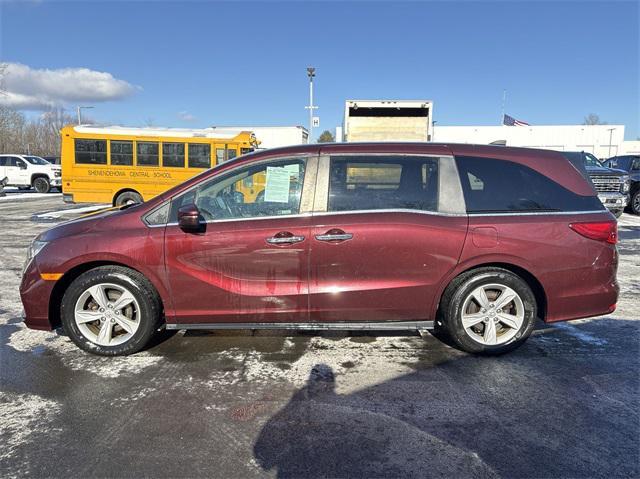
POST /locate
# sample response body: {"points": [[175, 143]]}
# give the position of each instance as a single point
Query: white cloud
{"points": [[27, 88], [186, 116]]}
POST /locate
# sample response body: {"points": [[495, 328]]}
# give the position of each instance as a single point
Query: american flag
{"points": [[511, 121]]}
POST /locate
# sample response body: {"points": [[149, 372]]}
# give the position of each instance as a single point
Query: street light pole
{"points": [[79, 108], [311, 72], [610, 139]]}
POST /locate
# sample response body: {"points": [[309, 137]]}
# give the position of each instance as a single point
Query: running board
{"points": [[339, 326]]}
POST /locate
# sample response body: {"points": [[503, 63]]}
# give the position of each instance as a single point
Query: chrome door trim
{"points": [[334, 237], [320, 326]]}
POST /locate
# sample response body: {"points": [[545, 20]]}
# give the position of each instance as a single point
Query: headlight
{"points": [[34, 248], [625, 183]]}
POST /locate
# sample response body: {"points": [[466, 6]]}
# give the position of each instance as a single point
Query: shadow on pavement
{"points": [[546, 410]]}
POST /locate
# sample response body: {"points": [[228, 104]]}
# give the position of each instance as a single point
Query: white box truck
{"points": [[388, 120]]}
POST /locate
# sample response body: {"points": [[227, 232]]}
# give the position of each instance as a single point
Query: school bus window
{"points": [[173, 155], [231, 154], [244, 151], [122, 153], [199, 155], [220, 156], [147, 153], [91, 152]]}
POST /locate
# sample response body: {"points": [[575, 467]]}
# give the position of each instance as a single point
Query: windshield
{"points": [[36, 160], [590, 160]]}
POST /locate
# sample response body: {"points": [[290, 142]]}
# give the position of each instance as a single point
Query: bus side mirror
{"points": [[189, 218]]}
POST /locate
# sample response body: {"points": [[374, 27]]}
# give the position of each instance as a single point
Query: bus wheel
{"points": [[127, 198]]}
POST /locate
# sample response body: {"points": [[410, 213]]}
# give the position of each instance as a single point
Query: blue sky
{"points": [[240, 63]]}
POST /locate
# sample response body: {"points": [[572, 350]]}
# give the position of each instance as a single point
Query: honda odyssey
{"points": [[476, 242]]}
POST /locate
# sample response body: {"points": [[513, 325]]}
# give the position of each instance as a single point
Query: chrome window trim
{"points": [[231, 220], [539, 213], [390, 210]]}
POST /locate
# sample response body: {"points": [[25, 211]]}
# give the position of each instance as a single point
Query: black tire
{"points": [[142, 290], [449, 322], [127, 197], [634, 202], [42, 185]]}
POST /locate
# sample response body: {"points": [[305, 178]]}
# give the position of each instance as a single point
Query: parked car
{"points": [[474, 241], [26, 171], [631, 165], [611, 184]]}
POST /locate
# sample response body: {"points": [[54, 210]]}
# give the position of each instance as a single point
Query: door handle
{"points": [[277, 239], [334, 235]]}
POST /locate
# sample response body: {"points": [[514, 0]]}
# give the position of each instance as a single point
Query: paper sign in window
{"points": [[277, 188]]}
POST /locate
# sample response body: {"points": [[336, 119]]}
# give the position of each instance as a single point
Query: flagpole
{"points": [[504, 100]]}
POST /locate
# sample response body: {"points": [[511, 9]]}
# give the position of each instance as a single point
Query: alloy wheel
{"points": [[492, 314], [107, 314]]}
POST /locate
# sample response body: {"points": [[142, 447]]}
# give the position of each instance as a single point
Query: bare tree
{"points": [[593, 119]]}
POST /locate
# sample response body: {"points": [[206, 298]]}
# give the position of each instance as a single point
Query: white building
{"points": [[275, 136], [601, 140]]}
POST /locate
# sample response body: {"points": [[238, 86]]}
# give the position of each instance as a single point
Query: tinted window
{"points": [[122, 153], [36, 160], [91, 152], [147, 153], [271, 189], [173, 154], [199, 155], [383, 182], [492, 185], [3, 161]]}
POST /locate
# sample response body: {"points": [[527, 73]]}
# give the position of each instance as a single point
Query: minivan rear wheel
{"points": [[487, 311], [111, 311]]}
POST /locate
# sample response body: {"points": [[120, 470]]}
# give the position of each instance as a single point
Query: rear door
{"points": [[386, 230], [17, 171]]}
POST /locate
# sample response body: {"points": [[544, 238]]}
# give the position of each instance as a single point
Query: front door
{"points": [[16, 171], [250, 261], [381, 248]]}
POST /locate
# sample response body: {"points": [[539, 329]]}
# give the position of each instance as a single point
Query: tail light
{"points": [[606, 231]]}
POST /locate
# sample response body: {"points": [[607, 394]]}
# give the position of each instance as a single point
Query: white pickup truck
{"points": [[26, 171]]}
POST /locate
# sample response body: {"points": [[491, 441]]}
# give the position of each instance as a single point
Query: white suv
{"points": [[27, 171]]}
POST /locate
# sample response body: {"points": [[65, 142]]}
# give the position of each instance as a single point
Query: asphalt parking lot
{"points": [[279, 404]]}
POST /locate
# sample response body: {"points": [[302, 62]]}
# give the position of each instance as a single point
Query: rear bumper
{"points": [[35, 294]]}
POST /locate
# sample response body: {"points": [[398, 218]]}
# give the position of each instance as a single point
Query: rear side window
{"points": [[494, 186], [383, 182], [91, 152]]}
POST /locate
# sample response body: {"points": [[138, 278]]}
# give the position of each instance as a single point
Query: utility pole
{"points": [[610, 139], [79, 108], [311, 72]]}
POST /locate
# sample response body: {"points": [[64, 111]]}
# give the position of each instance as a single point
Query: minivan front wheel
{"points": [[111, 311], [488, 310]]}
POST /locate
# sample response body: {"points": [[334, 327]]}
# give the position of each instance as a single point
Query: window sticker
{"points": [[293, 169], [277, 188]]}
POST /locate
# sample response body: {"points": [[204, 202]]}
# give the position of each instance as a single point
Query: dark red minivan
{"points": [[474, 241]]}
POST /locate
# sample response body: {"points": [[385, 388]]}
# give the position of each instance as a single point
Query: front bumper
{"points": [[613, 201], [35, 294]]}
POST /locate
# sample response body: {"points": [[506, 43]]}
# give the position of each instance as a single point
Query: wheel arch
{"points": [[63, 283], [531, 280], [35, 176], [124, 190]]}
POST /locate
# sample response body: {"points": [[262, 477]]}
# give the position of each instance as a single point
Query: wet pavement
{"points": [[283, 404]]}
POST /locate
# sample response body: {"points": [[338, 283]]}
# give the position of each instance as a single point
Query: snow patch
{"points": [[580, 334], [21, 416], [27, 340]]}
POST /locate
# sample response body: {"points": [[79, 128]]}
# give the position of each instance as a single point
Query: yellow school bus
{"points": [[121, 165]]}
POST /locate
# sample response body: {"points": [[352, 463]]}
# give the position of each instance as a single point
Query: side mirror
{"points": [[22, 166], [189, 218]]}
